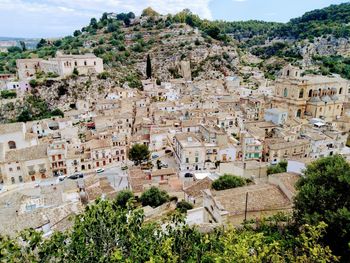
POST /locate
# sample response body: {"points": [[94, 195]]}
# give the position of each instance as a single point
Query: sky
{"points": [[56, 18]]}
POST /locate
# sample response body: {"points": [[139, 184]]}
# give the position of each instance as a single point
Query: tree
{"points": [[106, 232], [323, 195], [57, 112], [228, 181], [77, 33], [24, 116], [123, 197], [183, 206], [139, 153], [149, 67], [23, 45], [41, 43], [75, 72], [154, 197], [149, 12], [93, 23], [281, 167]]}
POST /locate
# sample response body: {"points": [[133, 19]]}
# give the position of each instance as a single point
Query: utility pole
{"points": [[246, 207]]}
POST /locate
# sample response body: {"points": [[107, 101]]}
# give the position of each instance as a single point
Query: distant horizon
{"points": [[57, 19]]}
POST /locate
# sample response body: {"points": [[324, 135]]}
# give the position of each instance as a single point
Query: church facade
{"points": [[310, 95]]}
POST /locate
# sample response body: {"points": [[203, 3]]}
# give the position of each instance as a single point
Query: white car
{"points": [[100, 170]]}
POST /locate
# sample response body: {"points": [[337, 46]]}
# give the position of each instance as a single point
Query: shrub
{"points": [[8, 94], [228, 181], [281, 167], [183, 206], [154, 197], [123, 198]]}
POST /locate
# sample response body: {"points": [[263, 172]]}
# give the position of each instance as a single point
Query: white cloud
{"points": [[42, 16]]}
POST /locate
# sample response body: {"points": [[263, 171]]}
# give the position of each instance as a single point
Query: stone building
{"points": [[310, 95], [62, 65]]}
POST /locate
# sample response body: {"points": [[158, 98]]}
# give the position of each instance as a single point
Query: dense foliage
{"points": [[324, 196], [154, 197], [36, 108], [228, 181], [334, 64], [139, 153], [330, 20], [106, 232], [123, 197]]}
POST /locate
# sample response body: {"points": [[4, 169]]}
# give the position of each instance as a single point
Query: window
{"points": [[285, 92], [12, 180], [85, 63], [301, 93], [75, 63], [10, 169], [94, 63], [20, 179], [340, 90], [53, 157], [187, 161], [12, 145], [196, 160], [18, 168], [59, 157]]}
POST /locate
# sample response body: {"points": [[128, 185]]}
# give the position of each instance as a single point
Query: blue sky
{"points": [[54, 18]]}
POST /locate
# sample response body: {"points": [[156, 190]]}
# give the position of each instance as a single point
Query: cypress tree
{"points": [[149, 67]]}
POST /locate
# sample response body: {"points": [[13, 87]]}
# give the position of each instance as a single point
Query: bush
{"points": [[228, 181], [103, 75], [183, 206], [123, 198], [8, 94], [154, 197], [281, 167]]}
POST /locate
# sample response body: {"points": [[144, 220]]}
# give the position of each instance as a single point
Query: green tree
{"points": [[149, 67], [23, 45], [154, 197], [323, 195], [149, 12], [183, 206], [228, 181], [123, 197], [139, 153], [281, 167], [57, 112], [75, 72], [41, 43], [77, 33]]}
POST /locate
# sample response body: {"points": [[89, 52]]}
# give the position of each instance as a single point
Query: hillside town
{"points": [[196, 132], [139, 122]]}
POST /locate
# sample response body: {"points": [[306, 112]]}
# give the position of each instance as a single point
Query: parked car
{"points": [[124, 168], [187, 175], [61, 178], [100, 170], [155, 156], [164, 165], [73, 177]]}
